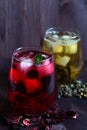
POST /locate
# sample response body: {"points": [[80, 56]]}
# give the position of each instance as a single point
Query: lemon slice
{"points": [[62, 61], [73, 48], [57, 48]]}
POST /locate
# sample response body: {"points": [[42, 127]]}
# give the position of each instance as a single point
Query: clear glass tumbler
{"points": [[32, 86], [66, 46]]}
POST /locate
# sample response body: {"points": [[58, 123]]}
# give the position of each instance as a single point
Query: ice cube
{"points": [[51, 38], [55, 37], [26, 63], [45, 56], [74, 37], [66, 36], [45, 62], [75, 41], [62, 61], [22, 58], [66, 39]]}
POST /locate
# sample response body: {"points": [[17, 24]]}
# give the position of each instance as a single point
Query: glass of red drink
{"points": [[32, 88]]}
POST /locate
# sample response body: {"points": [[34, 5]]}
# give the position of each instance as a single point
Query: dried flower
{"points": [[76, 88]]}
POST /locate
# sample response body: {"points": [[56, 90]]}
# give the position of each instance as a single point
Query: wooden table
{"points": [[68, 103]]}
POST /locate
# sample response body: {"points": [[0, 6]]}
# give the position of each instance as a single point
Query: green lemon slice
{"points": [[57, 48], [62, 61]]}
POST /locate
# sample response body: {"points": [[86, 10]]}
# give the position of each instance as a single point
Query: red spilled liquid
{"points": [[32, 89]]}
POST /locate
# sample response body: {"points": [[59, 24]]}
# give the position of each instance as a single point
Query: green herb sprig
{"points": [[38, 58]]}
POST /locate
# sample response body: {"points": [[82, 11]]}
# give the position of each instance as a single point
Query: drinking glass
{"points": [[66, 46], [32, 86]]}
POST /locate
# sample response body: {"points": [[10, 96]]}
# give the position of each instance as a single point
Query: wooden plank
{"points": [[23, 22], [14, 25], [32, 22], [49, 14], [73, 16], [40, 15]]}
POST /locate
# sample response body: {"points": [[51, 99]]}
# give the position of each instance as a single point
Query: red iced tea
{"points": [[32, 88]]}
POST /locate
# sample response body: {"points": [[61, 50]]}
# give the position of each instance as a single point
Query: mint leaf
{"points": [[38, 59]]}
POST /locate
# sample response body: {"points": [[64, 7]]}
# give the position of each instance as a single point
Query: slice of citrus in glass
{"points": [[62, 61], [71, 46], [57, 48]]}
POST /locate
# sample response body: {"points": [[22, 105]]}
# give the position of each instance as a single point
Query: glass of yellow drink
{"points": [[66, 46]]}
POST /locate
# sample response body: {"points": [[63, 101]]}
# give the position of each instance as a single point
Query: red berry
{"points": [[32, 85], [15, 75]]}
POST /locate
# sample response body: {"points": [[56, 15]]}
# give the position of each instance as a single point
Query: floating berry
{"points": [[32, 85], [15, 75], [33, 73]]}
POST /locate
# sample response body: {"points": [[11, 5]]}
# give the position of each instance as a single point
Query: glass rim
{"points": [[56, 30], [35, 48]]}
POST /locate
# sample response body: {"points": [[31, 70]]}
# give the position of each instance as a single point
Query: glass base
{"points": [[41, 122]]}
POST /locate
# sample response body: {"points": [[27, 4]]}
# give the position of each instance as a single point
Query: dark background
{"points": [[23, 23]]}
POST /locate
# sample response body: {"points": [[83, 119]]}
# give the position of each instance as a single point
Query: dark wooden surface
{"points": [[23, 23]]}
